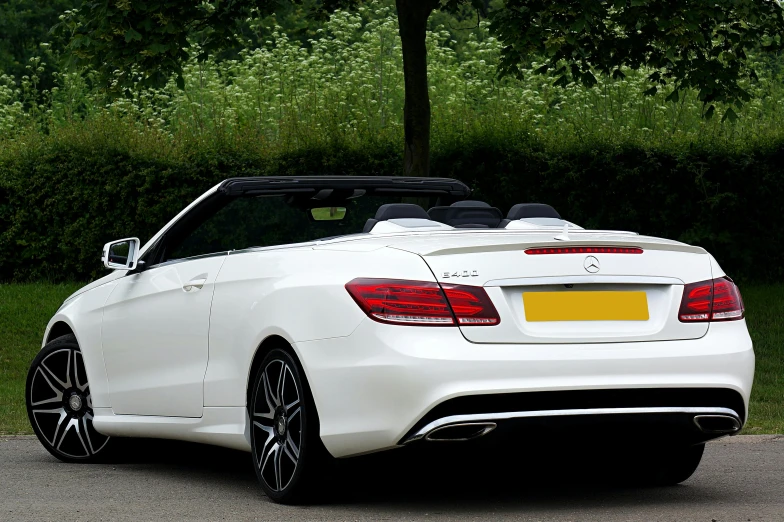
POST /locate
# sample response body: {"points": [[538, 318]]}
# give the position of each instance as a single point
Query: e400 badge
{"points": [[464, 273]]}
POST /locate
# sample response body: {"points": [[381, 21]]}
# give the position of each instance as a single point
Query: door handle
{"points": [[194, 284]]}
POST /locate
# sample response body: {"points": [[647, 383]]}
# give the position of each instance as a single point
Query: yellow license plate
{"points": [[585, 306]]}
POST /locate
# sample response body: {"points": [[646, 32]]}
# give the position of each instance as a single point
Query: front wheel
{"points": [[59, 404], [288, 454]]}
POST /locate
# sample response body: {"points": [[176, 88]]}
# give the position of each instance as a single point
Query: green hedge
{"points": [[62, 199]]}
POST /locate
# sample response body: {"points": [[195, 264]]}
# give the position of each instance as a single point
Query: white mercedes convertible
{"points": [[304, 319]]}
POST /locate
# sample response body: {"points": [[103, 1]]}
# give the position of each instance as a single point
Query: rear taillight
{"points": [[714, 300], [471, 305], [423, 303]]}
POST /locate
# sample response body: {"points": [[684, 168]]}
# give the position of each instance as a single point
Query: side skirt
{"points": [[226, 427]]}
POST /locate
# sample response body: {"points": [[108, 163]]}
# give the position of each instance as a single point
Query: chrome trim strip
{"points": [[583, 279], [480, 417], [487, 427]]}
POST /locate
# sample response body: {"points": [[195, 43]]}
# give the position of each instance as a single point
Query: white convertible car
{"points": [[272, 316]]}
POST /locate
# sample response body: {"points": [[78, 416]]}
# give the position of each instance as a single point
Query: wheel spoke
{"points": [[72, 423], [63, 416], [293, 403], [78, 431], [291, 447], [278, 471], [87, 432], [267, 398], [270, 437], [60, 411], [271, 458], [88, 417], [65, 431], [51, 379], [270, 413], [76, 361], [63, 385], [279, 389], [268, 393], [58, 392]]}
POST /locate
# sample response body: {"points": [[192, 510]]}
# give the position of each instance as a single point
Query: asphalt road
{"points": [[740, 479]]}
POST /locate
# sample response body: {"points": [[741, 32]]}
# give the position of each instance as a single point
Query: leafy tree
{"points": [[687, 44], [24, 25], [154, 37]]}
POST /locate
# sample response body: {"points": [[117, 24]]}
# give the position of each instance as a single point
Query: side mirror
{"points": [[122, 254]]}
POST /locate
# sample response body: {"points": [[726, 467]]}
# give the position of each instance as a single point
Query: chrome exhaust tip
{"points": [[717, 424], [460, 432]]}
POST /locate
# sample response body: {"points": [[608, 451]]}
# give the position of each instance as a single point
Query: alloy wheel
{"points": [[60, 405], [277, 425]]}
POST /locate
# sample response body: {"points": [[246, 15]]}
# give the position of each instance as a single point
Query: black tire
{"points": [[59, 404], [667, 466], [289, 458]]}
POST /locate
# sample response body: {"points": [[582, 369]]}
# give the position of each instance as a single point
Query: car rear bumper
{"points": [[379, 387]]}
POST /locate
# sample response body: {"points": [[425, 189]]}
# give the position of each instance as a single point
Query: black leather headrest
{"points": [[369, 224], [532, 210], [400, 211], [468, 214], [470, 203]]}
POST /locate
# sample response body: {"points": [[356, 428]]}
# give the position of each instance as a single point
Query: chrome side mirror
{"points": [[122, 254]]}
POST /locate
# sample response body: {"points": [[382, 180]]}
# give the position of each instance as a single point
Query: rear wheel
{"points": [[288, 454], [59, 404]]}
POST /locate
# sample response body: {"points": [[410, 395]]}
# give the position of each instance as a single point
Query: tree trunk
{"points": [[412, 19]]}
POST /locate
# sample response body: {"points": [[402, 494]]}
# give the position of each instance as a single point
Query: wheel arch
{"points": [[269, 343], [58, 329]]}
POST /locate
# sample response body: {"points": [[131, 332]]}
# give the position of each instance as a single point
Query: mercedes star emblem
{"points": [[591, 264]]}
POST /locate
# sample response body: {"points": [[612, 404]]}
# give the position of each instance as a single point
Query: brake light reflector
{"points": [[713, 300], [584, 250], [423, 303]]}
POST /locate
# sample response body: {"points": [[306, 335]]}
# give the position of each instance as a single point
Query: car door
{"points": [[154, 337], [156, 322], [155, 327]]}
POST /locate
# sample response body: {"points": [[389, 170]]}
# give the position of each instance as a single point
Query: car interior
{"points": [[464, 214]]}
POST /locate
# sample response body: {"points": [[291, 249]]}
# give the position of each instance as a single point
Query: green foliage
{"points": [[24, 26], [154, 36], [78, 168], [62, 197], [348, 83], [688, 44]]}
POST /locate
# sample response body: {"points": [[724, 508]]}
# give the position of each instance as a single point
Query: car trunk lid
{"points": [[586, 294]]}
